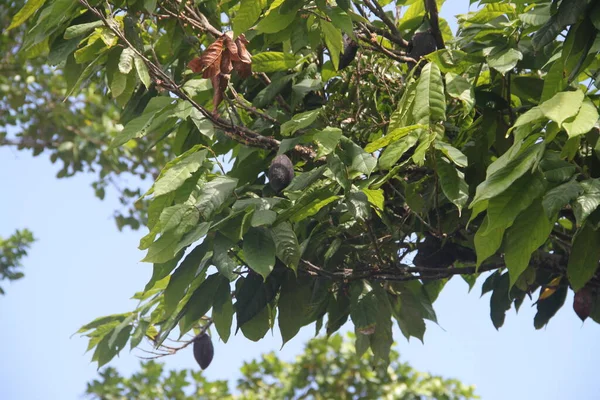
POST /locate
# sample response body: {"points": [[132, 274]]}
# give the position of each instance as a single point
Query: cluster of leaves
{"points": [[12, 250], [327, 369], [40, 116], [483, 158]]}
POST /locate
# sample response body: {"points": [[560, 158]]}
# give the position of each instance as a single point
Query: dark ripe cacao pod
{"points": [[350, 49], [582, 303], [281, 172], [203, 350], [422, 43]]}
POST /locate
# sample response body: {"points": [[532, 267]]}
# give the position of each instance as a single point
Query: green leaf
{"points": [[392, 137], [263, 217], [257, 327], [103, 320], [25, 13], [430, 102], [500, 301], [182, 168], [453, 154], [183, 276], [548, 307], [499, 180], [504, 60], [363, 308], [77, 30], [287, 248], [459, 88], [530, 231], [200, 302], [224, 263], [138, 127], [222, 313], [333, 40], [259, 251], [557, 198], [247, 15], [253, 295], [396, 150], [142, 71], [300, 121], [486, 246], [126, 60], [453, 183], [327, 140], [584, 121], [584, 257], [163, 249], [272, 61], [275, 22], [294, 306], [214, 194], [358, 159], [562, 106], [503, 209]]}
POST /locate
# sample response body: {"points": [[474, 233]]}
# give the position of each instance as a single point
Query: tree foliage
{"points": [[327, 369], [428, 156], [12, 250]]}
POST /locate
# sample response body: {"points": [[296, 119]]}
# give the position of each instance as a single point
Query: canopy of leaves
{"points": [[12, 250], [415, 160], [327, 369]]}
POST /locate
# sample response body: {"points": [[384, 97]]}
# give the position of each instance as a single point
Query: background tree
{"points": [[12, 250], [411, 165], [329, 368]]}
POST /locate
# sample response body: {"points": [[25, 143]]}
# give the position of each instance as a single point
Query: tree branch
{"points": [[432, 10], [376, 9]]}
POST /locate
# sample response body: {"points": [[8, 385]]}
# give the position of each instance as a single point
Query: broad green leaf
{"points": [[356, 158], [584, 121], [142, 71], [557, 198], [259, 251], [77, 30], [459, 88], [396, 150], [25, 13], [222, 312], [530, 231], [253, 295], [287, 248], [103, 320], [500, 301], [193, 236], [584, 257], [392, 137], [486, 246], [562, 106], [333, 40], [548, 307], [275, 22], [501, 179], [502, 210], [214, 194], [430, 101], [201, 301], [272, 61], [312, 208], [126, 60], [327, 140], [453, 183], [363, 308], [453, 154], [376, 198], [300, 121], [263, 217], [182, 169], [504, 60], [138, 127], [247, 15], [294, 306], [224, 263], [183, 276], [257, 327], [163, 249]]}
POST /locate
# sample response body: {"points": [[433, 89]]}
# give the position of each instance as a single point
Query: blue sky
{"points": [[81, 267]]}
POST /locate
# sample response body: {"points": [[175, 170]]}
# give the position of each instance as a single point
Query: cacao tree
{"points": [[418, 156]]}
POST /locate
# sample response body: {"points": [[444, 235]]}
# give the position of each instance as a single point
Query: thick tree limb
{"points": [[434, 20]]}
